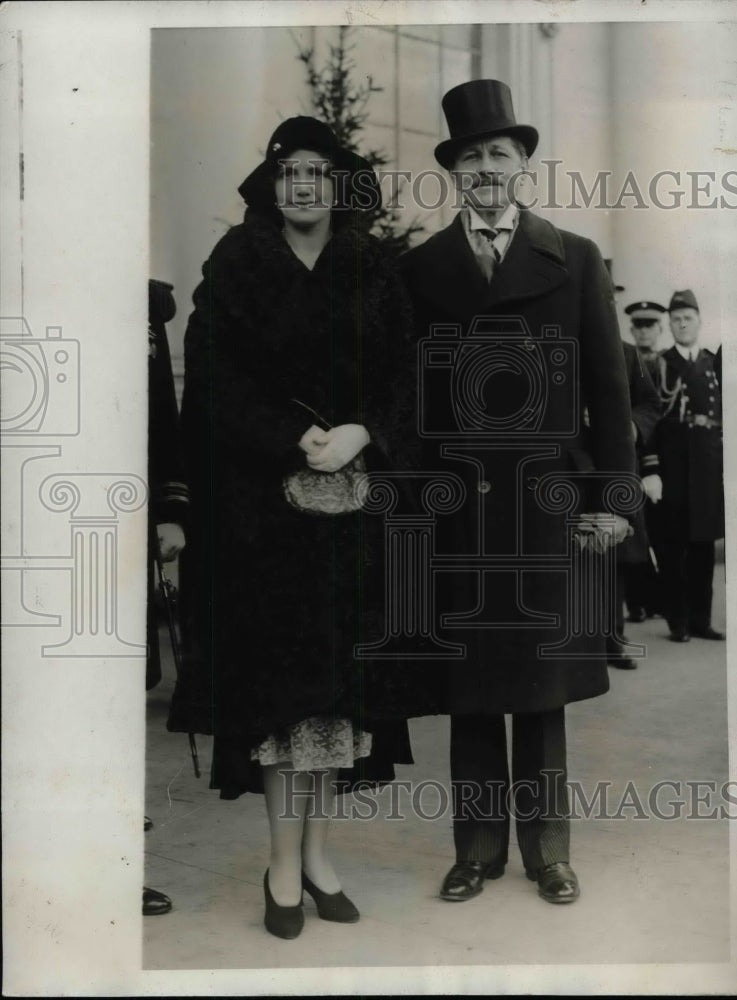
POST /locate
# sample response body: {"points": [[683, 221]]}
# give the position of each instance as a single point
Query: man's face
{"points": [[685, 325], [645, 333], [483, 169]]}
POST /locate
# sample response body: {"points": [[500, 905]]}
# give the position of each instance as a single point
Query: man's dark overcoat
{"points": [[555, 283], [274, 598], [691, 459]]}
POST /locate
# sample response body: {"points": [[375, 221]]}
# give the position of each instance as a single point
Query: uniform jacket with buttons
{"points": [[688, 441]]}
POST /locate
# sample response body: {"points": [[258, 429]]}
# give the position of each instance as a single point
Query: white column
{"points": [[577, 90], [666, 96]]}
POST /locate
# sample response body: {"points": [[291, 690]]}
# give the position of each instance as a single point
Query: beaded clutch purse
{"points": [[325, 492]]}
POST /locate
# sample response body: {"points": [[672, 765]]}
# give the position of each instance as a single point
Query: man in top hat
{"points": [[641, 579], [688, 441], [548, 295]]}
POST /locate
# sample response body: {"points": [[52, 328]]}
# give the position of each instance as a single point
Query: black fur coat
{"points": [[275, 599]]}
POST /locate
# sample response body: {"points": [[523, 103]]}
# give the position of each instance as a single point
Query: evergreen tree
{"points": [[341, 102]]}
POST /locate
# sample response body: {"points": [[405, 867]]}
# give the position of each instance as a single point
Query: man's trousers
{"points": [[687, 572], [484, 801]]}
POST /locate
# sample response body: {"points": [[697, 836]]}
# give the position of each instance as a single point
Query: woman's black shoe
{"points": [[333, 906], [282, 921]]}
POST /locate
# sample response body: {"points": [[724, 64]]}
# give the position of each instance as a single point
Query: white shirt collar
{"points": [[686, 352], [507, 220]]}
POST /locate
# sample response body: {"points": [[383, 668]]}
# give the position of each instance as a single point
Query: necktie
{"points": [[493, 257]]}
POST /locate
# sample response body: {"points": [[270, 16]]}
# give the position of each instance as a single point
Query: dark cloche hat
{"points": [[480, 108], [683, 300], [645, 310], [304, 132]]}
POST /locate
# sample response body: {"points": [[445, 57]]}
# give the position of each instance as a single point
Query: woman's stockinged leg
{"points": [[289, 797], [315, 861]]}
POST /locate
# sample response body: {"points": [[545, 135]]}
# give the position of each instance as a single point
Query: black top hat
{"points": [[645, 310], [303, 132], [683, 300], [480, 108]]}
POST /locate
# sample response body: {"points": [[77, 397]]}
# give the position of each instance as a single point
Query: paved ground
{"points": [[653, 890]]}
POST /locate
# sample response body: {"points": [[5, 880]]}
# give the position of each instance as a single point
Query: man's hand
{"points": [[342, 445], [313, 441], [602, 531], [171, 541], [653, 487]]}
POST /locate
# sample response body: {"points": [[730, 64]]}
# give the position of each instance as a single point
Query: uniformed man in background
{"points": [[642, 587], [168, 495], [645, 329], [688, 441], [633, 554]]}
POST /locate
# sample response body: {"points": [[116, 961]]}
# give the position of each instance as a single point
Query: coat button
{"points": [[532, 482], [484, 486]]}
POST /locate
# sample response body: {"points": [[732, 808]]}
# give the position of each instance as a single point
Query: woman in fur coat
{"points": [[297, 379]]}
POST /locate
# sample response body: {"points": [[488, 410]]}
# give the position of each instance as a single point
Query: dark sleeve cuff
{"points": [[171, 504], [649, 465]]}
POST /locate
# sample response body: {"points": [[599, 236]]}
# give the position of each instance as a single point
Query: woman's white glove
{"points": [[339, 446], [313, 441]]}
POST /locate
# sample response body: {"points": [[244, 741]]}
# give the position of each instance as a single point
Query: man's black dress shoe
{"points": [[155, 902], [637, 615], [466, 879], [680, 635], [707, 633], [556, 883]]}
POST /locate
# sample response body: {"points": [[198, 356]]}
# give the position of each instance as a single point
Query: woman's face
{"points": [[305, 192]]}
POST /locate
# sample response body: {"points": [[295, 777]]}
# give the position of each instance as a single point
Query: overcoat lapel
{"points": [[455, 280], [533, 266]]}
